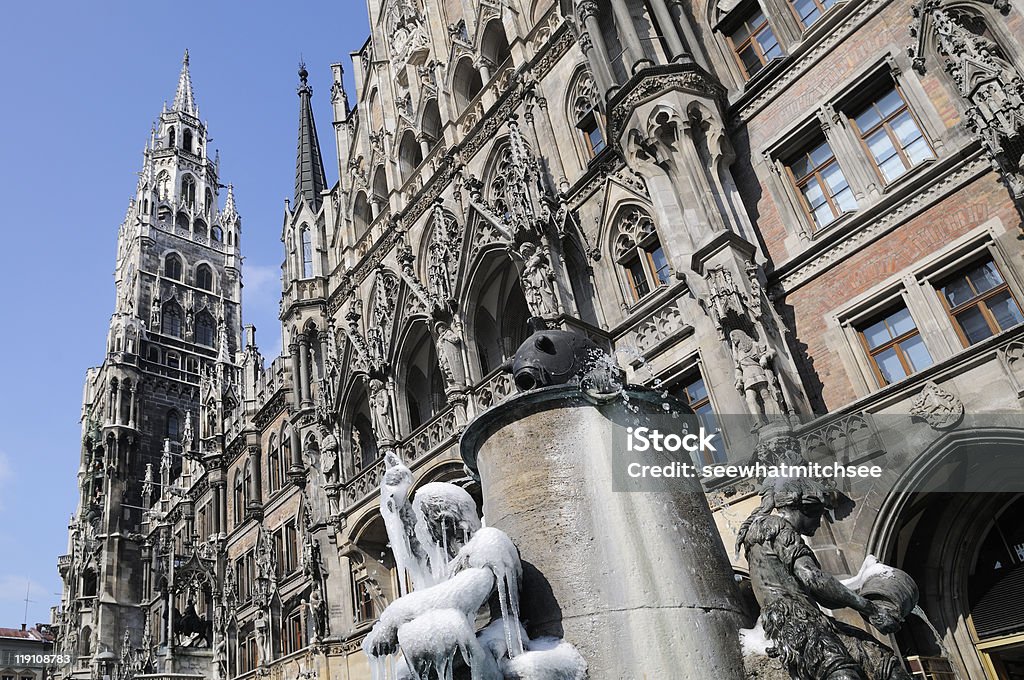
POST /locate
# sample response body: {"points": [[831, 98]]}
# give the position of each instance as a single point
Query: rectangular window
{"points": [[891, 134], [823, 188], [694, 392], [658, 262], [365, 609], [292, 633], [895, 346], [754, 43], [809, 11], [979, 302], [591, 130]]}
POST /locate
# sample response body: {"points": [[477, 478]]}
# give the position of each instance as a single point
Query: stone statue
{"points": [[380, 408], [438, 274], [755, 379], [538, 280], [792, 588], [317, 613], [262, 637], [449, 352]]}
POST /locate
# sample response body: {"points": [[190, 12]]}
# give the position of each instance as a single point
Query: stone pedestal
{"points": [[639, 582]]}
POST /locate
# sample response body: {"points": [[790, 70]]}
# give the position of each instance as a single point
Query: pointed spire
{"points": [[183, 99], [223, 352], [309, 165], [230, 211]]}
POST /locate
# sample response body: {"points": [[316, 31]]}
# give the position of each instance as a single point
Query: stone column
{"points": [[293, 354], [668, 30], [255, 489], [131, 407], [296, 466], [638, 581], [304, 398], [689, 37], [628, 35], [586, 11], [222, 508]]}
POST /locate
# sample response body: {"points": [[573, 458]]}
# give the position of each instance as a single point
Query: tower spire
{"points": [[183, 97], [309, 165]]}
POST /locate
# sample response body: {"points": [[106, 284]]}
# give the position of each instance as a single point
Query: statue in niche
{"points": [[438, 274], [792, 590], [329, 458], [261, 627], [538, 280], [317, 613], [449, 352], [380, 408], [755, 378]]}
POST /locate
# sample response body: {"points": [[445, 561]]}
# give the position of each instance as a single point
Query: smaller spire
{"points": [[223, 353], [230, 211], [309, 166], [183, 98]]}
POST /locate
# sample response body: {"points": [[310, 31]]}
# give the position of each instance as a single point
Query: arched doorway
{"points": [[956, 528]]}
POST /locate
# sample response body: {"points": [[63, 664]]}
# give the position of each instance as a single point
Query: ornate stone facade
{"points": [[623, 170]]}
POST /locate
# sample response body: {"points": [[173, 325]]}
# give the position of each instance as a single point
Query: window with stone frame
{"points": [[286, 544], [894, 345], [752, 39], [247, 655], [239, 498], [172, 267], [171, 319], [205, 329], [274, 464], [306, 237], [292, 634], [204, 277], [692, 390], [809, 11], [888, 131], [188, 191], [586, 117], [816, 175], [979, 302], [363, 587], [638, 252]]}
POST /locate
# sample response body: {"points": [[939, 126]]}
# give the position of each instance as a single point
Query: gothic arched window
{"points": [[172, 267], [188, 191], [424, 383], [186, 140], [171, 321], [585, 115], [637, 249], [307, 252], [209, 202], [216, 234], [205, 333], [171, 140], [362, 216], [466, 84], [494, 44], [409, 155], [204, 277], [500, 319], [274, 464], [173, 430], [239, 498], [431, 123]]}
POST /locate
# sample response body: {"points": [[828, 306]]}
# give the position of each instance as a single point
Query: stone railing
{"points": [[493, 389], [435, 434]]}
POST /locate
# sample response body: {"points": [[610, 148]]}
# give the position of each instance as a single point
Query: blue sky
{"points": [[83, 83]]}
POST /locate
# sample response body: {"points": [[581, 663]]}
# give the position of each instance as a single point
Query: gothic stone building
{"points": [[828, 190]]}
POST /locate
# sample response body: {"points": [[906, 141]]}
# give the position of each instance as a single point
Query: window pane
{"points": [[769, 45], [834, 178], [1004, 309], [823, 215], [957, 291], [901, 322], [890, 366], [751, 61], [845, 200], [813, 193], [868, 119], [916, 353], [985, 277], [660, 264], [638, 279], [696, 391], [596, 140], [974, 325], [906, 128], [918, 151], [881, 146], [820, 154], [889, 102], [892, 168], [807, 11], [877, 334]]}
